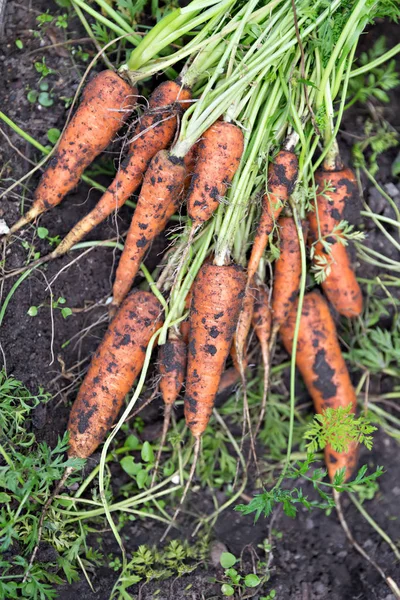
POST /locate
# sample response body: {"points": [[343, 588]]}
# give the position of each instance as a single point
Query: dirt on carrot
{"points": [[217, 299], [159, 199], [112, 372], [335, 190], [219, 152], [322, 366], [282, 175], [287, 272], [107, 101], [154, 132]]}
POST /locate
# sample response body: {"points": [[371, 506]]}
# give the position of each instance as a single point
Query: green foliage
{"points": [[147, 564], [378, 350], [16, 403], [378, 81], [264, 503], [379, 137], [338, 427], [28, 473], [56, 305], [53, 135], [131, 8], [237, 581], [227, 560], [138, 471], [342, 233], [42, 68]]}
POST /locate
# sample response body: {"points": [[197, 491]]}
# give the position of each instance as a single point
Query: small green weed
{"points": [[237, 582], [148, 564], [56, 305], [28, 472], [377, 82]]}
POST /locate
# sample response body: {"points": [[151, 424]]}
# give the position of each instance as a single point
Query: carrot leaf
{"points": [[338, 427]]}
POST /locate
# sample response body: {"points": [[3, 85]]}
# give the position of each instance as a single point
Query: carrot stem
{"points": [[133, 38]]}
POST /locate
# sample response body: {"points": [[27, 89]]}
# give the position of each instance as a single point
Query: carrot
{"points": [[190, 160], [262, 323], [321, 364], [287, 272], [243, 328], [172, 366], [218, 156], [154, 132], [240, 365], [172, 359], [229, 378], [184, 330], [106, 103], [217, 299], [340, 285], [158, 200], [239, 358], [114, 367], [282, 174]]}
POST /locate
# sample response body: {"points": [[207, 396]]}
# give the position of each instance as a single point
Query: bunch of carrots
{"points": [[241, 143]]}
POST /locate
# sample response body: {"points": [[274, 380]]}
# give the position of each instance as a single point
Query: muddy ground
{"points": [[312, 560]]}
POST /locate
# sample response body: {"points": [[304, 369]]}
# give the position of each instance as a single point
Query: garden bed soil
{"points": [[311, 558]]}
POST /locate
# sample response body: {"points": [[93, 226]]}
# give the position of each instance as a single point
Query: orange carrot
{"points": [[262, 323], [243, 328], [217, 299], [184, 330], [107, 101], [287, 272], [172, 366], [190, 163], [154, 132], [114, 367], [282, 174], [218, 156], [321, 364], [158, 200], [340, 285], [229, 378], [172, 359]]}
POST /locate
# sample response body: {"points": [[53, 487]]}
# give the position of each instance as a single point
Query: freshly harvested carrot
{"points": [[154, 132], [340, 285], [172, 365], [172, 358], [217, 300], [321, 364], [240, 365], [184, 330], [262, 325], [158, 200], [114, 367], [229, 378], [243, 328], [287, 272], [107, 101], [218, 156], [282, 175], [190, 163]]}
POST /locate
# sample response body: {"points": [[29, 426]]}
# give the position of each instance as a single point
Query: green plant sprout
{"points": [[237, 582]]}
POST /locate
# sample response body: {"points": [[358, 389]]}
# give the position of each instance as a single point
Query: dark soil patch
{"points": [[312, 560]]}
